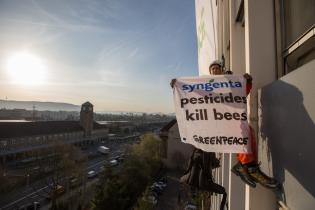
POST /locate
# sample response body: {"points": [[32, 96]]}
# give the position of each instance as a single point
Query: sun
{"points": [[25, 68]]}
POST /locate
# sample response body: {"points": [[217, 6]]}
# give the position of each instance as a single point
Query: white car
{"points": [[113, 162], [104, 150], [91, 174], [161, 184], [190, 206]]}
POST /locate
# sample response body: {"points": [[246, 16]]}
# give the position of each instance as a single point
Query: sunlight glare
{"points": [[25, 68]]}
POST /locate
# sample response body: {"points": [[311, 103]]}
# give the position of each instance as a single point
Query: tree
{"points": [[121, 190], [62, 161]]}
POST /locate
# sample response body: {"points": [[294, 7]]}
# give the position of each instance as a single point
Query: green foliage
{"points": [[120, 191], [202, 199], [61, 206], [144, 205]]}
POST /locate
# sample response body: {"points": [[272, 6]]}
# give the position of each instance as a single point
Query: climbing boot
{"points": [[241, 171], [260, 177]]}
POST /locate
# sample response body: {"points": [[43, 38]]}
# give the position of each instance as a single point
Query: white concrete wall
{"points": [[282, 112], [260, 62], [287, 119], [237, 42], [236, 189]]}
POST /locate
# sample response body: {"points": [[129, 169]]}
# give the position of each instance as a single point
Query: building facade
{"points": [[175, 154], [20, 140], [274, 41]]}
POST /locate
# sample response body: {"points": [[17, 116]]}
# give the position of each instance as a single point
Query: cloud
{"points": [[76, 18], [133, 53], [111, 50]]}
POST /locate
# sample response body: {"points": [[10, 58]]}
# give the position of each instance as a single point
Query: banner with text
{"points": [[211, 113]]}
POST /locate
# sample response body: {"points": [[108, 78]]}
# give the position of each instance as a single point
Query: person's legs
{"points": [[240, 169], [223, 201], [260, 177], [216, 188], [248, 168], [244, 158]]}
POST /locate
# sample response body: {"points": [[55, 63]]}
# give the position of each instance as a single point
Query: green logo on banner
{"points": [[201, 32]]}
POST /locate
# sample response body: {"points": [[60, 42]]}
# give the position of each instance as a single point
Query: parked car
{"points": [[113, 162], [104, 150], [190, 206], [74, 182], [156, 190], [162, 184], [150, 199], [156, 185]]}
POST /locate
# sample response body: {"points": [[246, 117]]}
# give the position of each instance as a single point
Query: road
{"points": [[38, 190]]}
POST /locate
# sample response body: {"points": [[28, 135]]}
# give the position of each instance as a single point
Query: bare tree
{"points": [[65, 161]]}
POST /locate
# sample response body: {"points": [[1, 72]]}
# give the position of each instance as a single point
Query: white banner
{"points": [[211, 113], [206, 26]]}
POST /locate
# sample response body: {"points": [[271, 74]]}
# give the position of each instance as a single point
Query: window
{"points": [[298, 33], [239, 6], [298, 17]]}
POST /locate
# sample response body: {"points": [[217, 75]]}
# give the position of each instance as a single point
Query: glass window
{"points": [[298, 17]]}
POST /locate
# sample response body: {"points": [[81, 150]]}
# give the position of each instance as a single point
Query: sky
{"points": [[118, 54]]}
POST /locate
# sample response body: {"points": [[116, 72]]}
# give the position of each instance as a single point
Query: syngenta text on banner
{"points": [[211, 113]]}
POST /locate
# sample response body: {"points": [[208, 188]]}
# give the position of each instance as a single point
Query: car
{"points": [[150, 199], [113, 162], [156, 191], [162, 184], [103, 150], [116, 157], [190, 206], [74, 182], [56, 191], [35, 169], [157, 186], [163, 179], [91, 174]]}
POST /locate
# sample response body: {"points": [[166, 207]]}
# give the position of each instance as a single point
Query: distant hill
{"points": [[133, 113], [40, 106]]}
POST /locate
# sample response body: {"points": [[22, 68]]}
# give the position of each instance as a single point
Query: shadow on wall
{"points": [[290, 132]]}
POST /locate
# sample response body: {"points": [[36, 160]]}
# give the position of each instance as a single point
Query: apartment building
{"points": [[274, 41]]}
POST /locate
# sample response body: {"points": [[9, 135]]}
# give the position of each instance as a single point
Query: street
{"points": [[38, 190]]}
